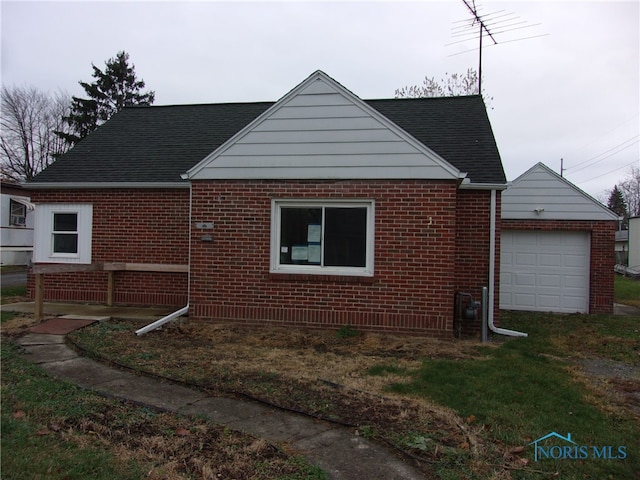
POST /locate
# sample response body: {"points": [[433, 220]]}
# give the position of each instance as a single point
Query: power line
{"points": [[593, 160], [611, 171], [602, 135]]}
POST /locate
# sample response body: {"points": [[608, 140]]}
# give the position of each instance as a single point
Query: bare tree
{"points": [[630, 189], [453, 85], [29, 119]]}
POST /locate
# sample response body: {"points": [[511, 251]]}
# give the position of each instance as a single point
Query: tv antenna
{"points": [[490, 25]]}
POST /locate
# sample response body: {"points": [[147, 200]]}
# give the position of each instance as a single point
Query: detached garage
{"points": [[556, 247]]}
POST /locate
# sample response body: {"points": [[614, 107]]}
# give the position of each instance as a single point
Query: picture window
{"points": [[323, 238]]}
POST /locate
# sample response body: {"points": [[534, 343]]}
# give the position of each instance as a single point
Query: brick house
{"points": [[318, 210]]}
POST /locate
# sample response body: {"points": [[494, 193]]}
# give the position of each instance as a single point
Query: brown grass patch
{"points": [[179, 447], [313, 371], [18, 325]]}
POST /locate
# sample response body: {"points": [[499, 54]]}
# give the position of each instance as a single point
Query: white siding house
{"points": [[634, 243], [16, 226]]}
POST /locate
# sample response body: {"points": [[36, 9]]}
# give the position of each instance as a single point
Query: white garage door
{"points": [[545, 271]]}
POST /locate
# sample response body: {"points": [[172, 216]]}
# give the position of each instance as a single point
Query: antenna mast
{"points": [[483, 28], [491, 24]]}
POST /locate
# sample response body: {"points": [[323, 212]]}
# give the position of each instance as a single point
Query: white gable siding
{"points": [[555, 198], [322, 131]]}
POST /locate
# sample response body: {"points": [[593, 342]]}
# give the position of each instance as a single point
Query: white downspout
{"points": [[184, 310], [492, 273], [163, 320]]}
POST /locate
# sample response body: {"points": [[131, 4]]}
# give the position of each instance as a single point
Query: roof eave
{"points": [[102, 185], [483, 186]]}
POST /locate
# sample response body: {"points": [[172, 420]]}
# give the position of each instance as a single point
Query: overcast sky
{"points": [[572, 91]]}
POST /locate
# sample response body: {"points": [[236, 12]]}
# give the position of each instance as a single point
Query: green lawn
{"points": [[521, 389], [513, 391], [53, 430], [13, 292], [627, 290], [34, 409]]}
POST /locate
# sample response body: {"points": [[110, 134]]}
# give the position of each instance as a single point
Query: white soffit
{"points": [[542, 194], [320, 130]]}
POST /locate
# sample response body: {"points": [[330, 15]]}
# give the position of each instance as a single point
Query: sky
{"points": [[562, 81]]}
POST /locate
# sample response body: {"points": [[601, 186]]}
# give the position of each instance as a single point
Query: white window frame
{"points": [[17, 219], [277, 267], [44, 233], [55, 232]]}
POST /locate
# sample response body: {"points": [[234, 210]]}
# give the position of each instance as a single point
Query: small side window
{"points": [[18, 214], [65, 233]]}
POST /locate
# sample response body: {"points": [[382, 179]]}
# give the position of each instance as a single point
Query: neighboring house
{"points": [[318, 210], [622, 247], [16, 225], [557, 246], [634, 244]]}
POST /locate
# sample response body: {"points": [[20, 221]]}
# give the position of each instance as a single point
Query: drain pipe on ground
{"points": [[492, 274], [163, 320], [184, 310]]}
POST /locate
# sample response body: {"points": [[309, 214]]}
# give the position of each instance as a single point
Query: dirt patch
{"points": [[319, 373], [179, 447], [15, 299], [602, 367], [18, 325], [315, 355], [616, 382]]}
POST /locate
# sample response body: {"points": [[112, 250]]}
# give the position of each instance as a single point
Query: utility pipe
{"points": [[492, 273], [184, 310]]}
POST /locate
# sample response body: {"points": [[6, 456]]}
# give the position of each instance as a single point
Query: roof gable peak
{"points": [[542, 194], [321, 130]]}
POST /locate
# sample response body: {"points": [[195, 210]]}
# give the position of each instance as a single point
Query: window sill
{"points": [[306, 277]]}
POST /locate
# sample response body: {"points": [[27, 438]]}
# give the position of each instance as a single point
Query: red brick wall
{"points": [[413, 286], [129, 225], [602, 258], [473, 209]]}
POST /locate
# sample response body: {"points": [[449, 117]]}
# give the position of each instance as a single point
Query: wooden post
{"points": [[38, 310], [111, 287]]}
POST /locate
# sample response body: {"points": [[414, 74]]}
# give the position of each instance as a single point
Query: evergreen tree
{"points": [[113, 89], [618, 204]]}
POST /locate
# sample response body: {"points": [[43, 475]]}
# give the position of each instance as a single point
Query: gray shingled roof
{"points": [[159, 143]]}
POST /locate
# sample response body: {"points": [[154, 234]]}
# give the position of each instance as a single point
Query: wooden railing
{"points": [[40, 270]]}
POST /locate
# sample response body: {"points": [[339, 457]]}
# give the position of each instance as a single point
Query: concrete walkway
{"points": [[337, 450]]}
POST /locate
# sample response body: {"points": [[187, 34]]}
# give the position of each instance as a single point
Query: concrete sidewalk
{"points": [[337, 450], [81, 309]]}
